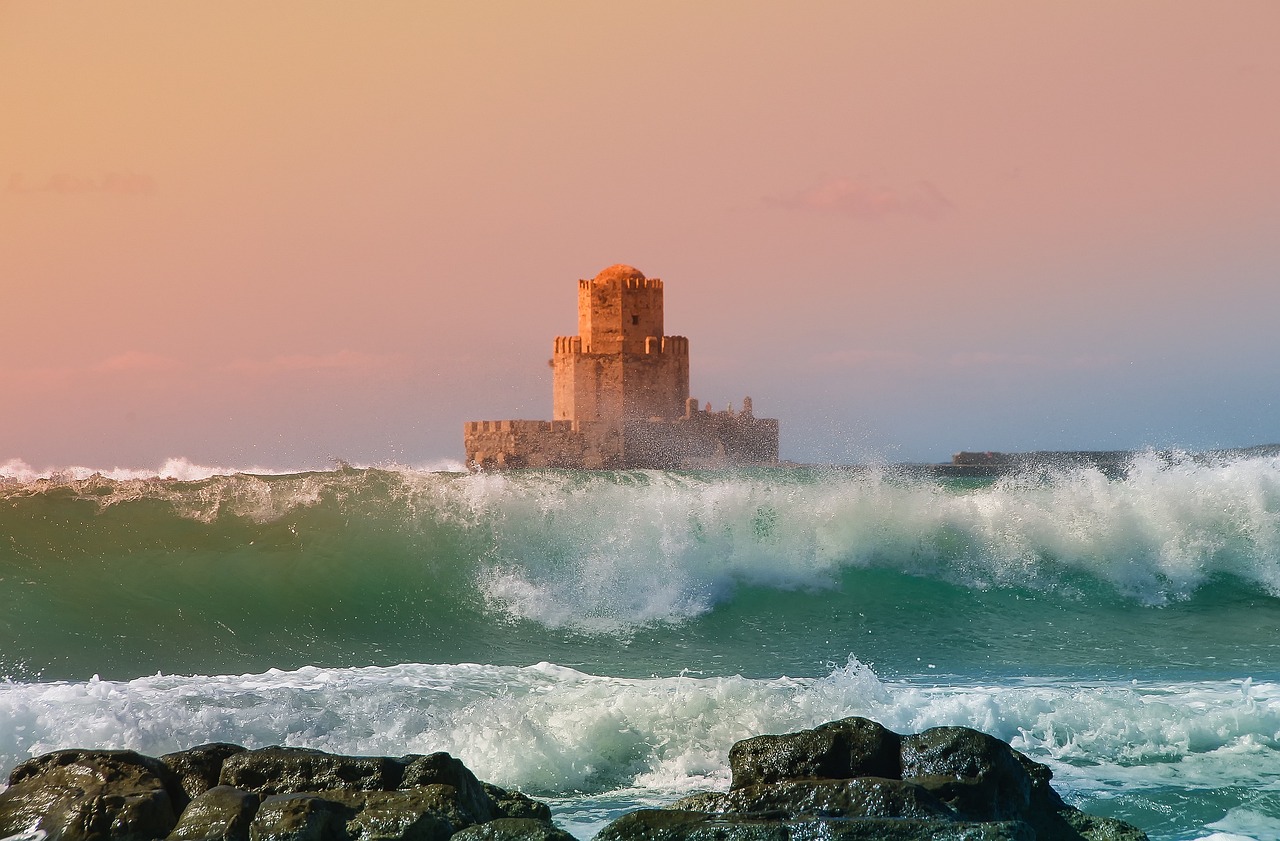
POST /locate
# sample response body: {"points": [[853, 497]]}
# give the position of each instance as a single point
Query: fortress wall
{"points": [[590, 386], [677, 347], [523, 443], [565, 380], [585, 386], [754, 443], [655, 384], [706, 440], [603, 389]]}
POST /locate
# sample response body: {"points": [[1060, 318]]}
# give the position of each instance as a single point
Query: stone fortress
{"points": [[621, 397]]}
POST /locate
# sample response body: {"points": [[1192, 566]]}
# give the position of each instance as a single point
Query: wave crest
{"points": [[614, 551], [601, 552]]}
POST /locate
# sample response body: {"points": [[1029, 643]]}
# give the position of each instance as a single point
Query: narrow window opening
{"points": [[635, 319]]}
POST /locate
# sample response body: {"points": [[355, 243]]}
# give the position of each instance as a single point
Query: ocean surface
{"points": [[600, 640]]}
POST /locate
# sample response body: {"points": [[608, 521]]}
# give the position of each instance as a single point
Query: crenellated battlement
{"points": [[516, 426], [624, 282], [693, 413], [673, 345], [568, 344]]}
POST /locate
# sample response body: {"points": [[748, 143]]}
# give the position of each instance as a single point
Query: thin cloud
{"points": [[50, 377], [342, 363], [136, 366], [847, 197], [135, 360]]}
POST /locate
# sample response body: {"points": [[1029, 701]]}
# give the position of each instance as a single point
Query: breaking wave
{"points": [[360, 565]]}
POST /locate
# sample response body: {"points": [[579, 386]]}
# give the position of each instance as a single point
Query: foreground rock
{"points": [[77, 794], [853, 779], [844, 781], [226, 793]]}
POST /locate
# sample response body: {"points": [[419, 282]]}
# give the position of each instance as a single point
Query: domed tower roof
{"points": [[620, 271]]}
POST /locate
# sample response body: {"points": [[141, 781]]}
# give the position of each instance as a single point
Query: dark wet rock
{"points": [[513, 829], [1043, 797], [419, 814], [423, 813], [443, 769], [864, 797], [839, 750], [442, 802], [513, 804], [300, 817], [220, 813], [110, 763], [1071, 824], [673, 825], [91, 795], [853, 779], [199, 769], [277, 770], [272, 794], [976, 774]]}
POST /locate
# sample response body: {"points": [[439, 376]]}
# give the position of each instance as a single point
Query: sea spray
{"points": [[555, 731]]}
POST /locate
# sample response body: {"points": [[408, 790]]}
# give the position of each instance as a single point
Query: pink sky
{"points": [[275, 233]]}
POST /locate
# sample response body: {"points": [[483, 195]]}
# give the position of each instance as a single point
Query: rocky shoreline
{"points": [[844, 781]]}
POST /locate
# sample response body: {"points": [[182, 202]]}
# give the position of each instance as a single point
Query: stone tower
{"points": [[620, 397], [620, 367]]}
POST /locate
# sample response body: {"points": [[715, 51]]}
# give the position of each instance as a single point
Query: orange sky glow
{"points": [[280, 233]]}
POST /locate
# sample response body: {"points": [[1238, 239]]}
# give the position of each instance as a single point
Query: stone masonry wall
{"points": [[703, 440], [532, 443], [611, 387]]}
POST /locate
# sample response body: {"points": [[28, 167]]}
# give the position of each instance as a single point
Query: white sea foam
{"points": [[555, 730], [185, 470], [675, 545], [181, 469]]}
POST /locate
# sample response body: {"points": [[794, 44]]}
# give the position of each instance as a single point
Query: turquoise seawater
{"points": [[600, 639]]}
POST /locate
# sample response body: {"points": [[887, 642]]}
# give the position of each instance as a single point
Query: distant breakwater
{"points": [[990, 464]]}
